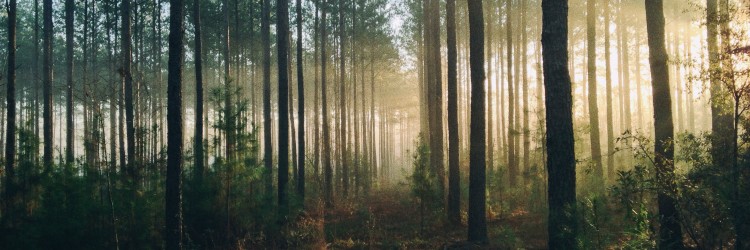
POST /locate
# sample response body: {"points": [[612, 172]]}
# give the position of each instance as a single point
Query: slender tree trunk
{"points": [[328, 172], [477, 198], [198, 53], [228, 103], [342, 102], [128, 80], [282, 28], [623, 27], [316, 163], [525, 86], [69, 127], [721, 121], [47, 71], [512, 164], [10, 141], [559, 114], [489, 45], [300, 108], [608, 75], [434, 90], [173, 211], [267, 147], [596, 152], [454, 175], [35, 72], [670, 233]]}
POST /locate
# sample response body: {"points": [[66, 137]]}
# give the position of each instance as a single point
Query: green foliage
{"points": [[424, 184], [703, 195], [217, 205]]}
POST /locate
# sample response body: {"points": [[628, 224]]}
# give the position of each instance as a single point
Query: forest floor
{"points": [[391, 219]]}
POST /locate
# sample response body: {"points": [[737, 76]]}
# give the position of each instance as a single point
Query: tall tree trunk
{"points": [[561, 170], [173, 208], [10, 141], [300, 109], [525, 86], [489, 45], [670, 233], [623, 27], [454, 175], [477, 198], [128, 79], [608, 76], [198, 53], [69, 127], [35, 72], [342, 102], [47, 71], [434, 90], [282, 29], [316, 163], [228, 103], [512, 164], [265, 31], [596, 152], [328, 172], [721, 120]]}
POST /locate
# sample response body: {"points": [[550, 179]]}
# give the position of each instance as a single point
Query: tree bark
{"points": [[596, 152], [434, 91], [328, 172], [559, 113], [198, 53], [128, 79], [282, 28], [454, 175], [477, 198], [608, 76], [47, 71], [173, 208], [300, 109], [512, 164], [265, 31], [342, 102], [670, 233], [69, 127], [10, 135]]}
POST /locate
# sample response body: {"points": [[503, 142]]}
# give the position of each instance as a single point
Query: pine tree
{"points": [[173, 207], [561, 164], [477, 160]]}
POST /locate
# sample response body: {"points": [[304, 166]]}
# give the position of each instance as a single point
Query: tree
{"points": [[199, 168], [596, 152], [10, 141], [454, 176], [608, 75], [477, 179], [127, 76], [229, 115], [512, 159], [282, 27], [300, 108], [265, 31], [721, 120], [173, 207], [328, 171], [561, 163], [70, 126], [670, 233], [47, 71], [342, 101], [434, 89]]}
